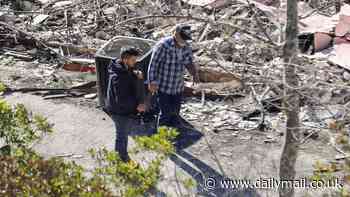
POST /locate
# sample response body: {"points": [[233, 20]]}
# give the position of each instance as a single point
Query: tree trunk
{"points": [[291, 102]]}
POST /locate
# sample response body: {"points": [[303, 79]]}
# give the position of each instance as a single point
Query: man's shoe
{"points": [[133, 164], [125, 159]]}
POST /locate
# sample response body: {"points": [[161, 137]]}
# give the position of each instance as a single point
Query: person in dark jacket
{"points": [[125, 97]]}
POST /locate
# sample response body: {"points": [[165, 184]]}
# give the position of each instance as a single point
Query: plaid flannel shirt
{"points": [[167, 65]]}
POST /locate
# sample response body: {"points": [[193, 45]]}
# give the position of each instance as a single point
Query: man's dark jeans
{"points": [[124, 125], [170, 106]]}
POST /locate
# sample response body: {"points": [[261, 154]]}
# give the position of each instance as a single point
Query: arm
{"points": [[156, 59], [120, 88], [192, 69], [119, 85], [140, 89]]}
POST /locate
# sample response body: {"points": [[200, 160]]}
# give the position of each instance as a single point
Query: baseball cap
{"points": [[184, 31]]}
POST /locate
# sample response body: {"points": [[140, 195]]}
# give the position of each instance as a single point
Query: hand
{"points": [[153, 87], [196, 78], [141, 108], [138, 74]]}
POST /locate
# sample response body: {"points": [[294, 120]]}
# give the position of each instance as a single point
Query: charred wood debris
{"points": [[237, 45]]}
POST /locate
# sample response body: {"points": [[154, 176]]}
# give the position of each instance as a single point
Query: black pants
{"points": [[170, 105]]}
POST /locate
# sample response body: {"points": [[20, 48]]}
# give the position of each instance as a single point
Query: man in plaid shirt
{"points": [[170, 57]]}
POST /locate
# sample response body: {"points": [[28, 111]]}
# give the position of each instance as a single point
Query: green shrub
{"points": [[160, 142], [2, 88], [24, 173], [330, 171], [7, 61], [133, 179], [27, 174], [18, 128]]}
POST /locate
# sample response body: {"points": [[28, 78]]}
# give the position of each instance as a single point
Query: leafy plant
{"points": [[25, 173], [325, 171], [7, 61], [42, 124], [160, 142], [2, 87], [131, 178], [134, 179], [18, 128], [28, 174], [189, 183]]}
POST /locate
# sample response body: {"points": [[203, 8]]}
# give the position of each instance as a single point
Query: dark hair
{"points": [[128, 51]]}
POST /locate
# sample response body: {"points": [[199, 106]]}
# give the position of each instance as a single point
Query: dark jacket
{"points": [[121, 96]]}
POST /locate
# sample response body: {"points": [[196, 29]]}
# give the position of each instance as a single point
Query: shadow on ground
{"points": [[189, 135], [203, 174]]}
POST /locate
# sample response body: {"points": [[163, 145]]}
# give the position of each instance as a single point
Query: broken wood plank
{"points": [[24, 90], [19, 55], [85, 85], [82, 86], [82, 60], [56, 96], [90, 96]]}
